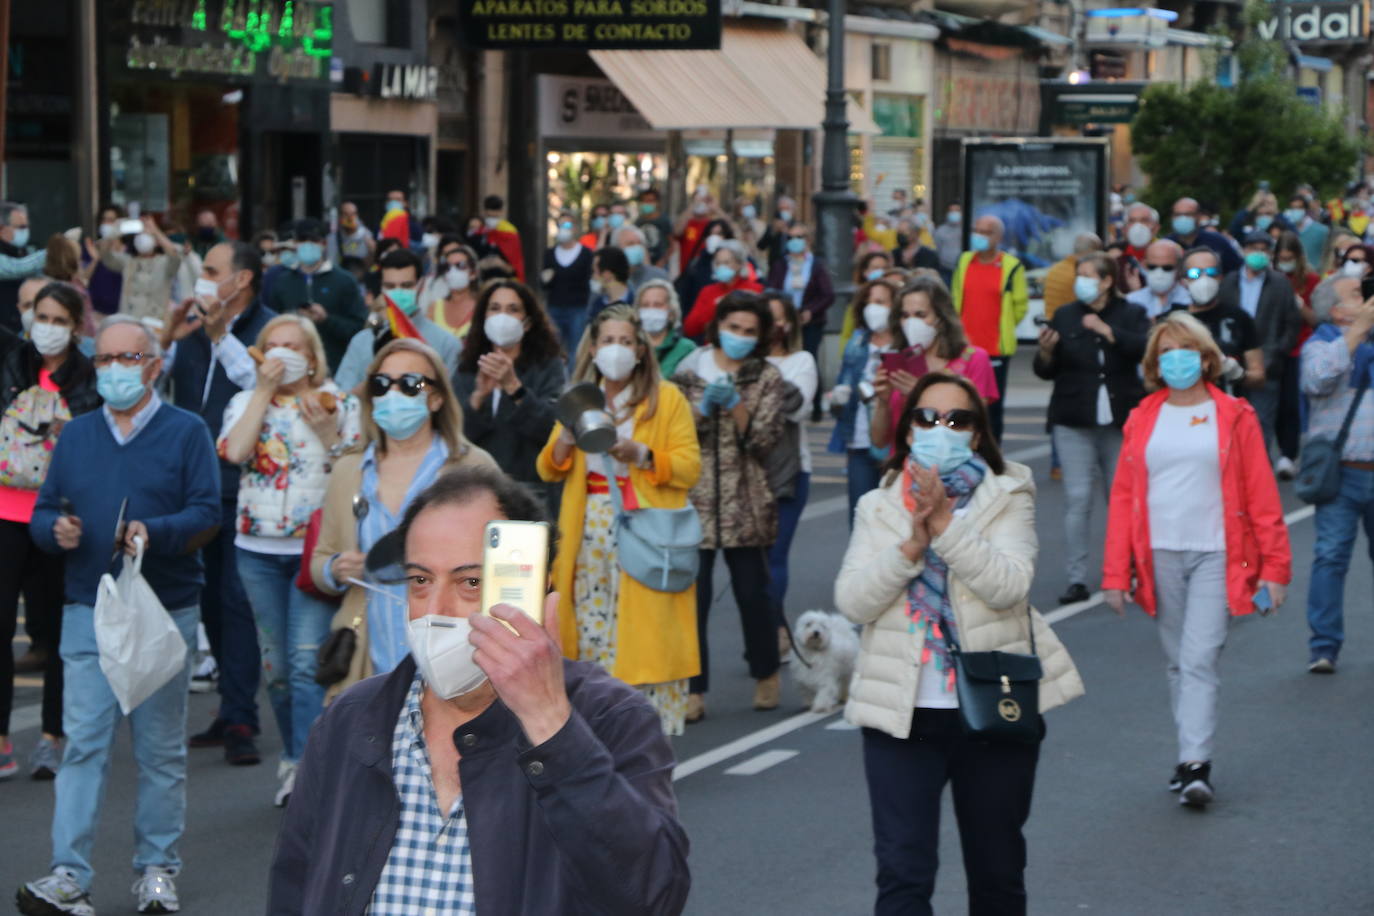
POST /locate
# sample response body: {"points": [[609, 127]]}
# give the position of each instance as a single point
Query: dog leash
{"points": [[796, 646]]}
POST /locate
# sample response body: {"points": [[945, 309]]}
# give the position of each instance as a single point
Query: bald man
{"points": [[1188, 233], [990, 294], [1163, 287]]}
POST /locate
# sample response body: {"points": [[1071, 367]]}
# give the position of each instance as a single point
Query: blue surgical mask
{"points": [[617, 220], [1180, 369], [735, 346], [400, 417], [954, 217], [979, 242], [941, 448], [309, 253], [1263, 222], [634, 254], [796, 245], [1294, 216], [1087, 289], [598, 222], [874, 274], [1185, 225], [288, 259], [120, 386], [723, 274], [21, 237], [394, 205], [405, 299]]}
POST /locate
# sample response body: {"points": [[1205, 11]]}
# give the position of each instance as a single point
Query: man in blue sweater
{"points": [[161, 460]]}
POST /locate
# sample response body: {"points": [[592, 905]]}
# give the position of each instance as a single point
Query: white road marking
{"points": [[842, 725], [746, 743], [760, 763]]}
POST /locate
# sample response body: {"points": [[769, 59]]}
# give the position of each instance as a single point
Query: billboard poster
{"points": [[1045, 192]]}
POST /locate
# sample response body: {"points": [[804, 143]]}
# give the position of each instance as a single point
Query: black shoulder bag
{"points": [[999, 692], [1319, 468]]}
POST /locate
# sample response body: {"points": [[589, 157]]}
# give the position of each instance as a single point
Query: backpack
{"points": [[28, 434]]}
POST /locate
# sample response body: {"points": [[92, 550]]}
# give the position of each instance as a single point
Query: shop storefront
{"points": [[217, 105]]}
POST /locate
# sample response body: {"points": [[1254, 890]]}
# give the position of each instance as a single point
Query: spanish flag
{"points": [[398, 323]]}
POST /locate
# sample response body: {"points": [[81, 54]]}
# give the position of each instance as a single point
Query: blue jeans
{"points": [[789, 516], [291, 626], [90, 714], [864, 474], [570, 323], [229, 625], [1337, 524]]}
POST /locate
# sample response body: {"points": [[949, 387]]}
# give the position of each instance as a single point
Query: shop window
{"points": [[881, 58], [380, 22]]}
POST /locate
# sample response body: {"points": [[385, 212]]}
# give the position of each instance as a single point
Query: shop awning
{"points": [[760, 77]]}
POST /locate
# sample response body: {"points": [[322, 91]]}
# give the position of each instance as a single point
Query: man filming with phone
{"points": [[493, 775]]}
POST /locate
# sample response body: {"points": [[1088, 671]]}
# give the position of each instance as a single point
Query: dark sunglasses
{"points": [[411, 384], [124, 359], [957, 420], [1192, 273], [1167, 268]]}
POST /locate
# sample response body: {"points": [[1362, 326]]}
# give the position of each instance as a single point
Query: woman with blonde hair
{"points": [[1195, 528], [413, 426], [660, 313], [286, 432], [646, 638]]}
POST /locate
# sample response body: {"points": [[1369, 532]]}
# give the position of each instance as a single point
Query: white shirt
{"points": [[862, 438], [800, 369], [1146, 299], [1183, 459], [566, 256]]}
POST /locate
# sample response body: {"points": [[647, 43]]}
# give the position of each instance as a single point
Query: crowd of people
{"points": [[265, 413]]}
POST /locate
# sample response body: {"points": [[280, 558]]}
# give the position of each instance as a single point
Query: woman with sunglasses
{"points": [[286, 432], [644, 637], [930, 336], [1336, 247], [508, 378], [853, 398], [449, 297], [43, 373], [1091, 351], [1195, 528], [947, 544], [413, 426], [737, 398]]}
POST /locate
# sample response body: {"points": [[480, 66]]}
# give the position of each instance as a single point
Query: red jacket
{"points": [[1256, 536], [704, 309]]}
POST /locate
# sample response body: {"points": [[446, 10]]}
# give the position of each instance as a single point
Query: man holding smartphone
{"points": [[558, 798]]}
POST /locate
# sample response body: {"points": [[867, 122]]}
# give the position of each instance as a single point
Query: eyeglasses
{"points": [[411, 384], [957, 420], [124, 359], [1192, 273]]}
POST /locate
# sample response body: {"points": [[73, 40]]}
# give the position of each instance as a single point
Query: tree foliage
{"points": [[1217, 144]]}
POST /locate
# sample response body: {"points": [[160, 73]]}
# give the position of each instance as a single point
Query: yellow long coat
{"points": [[656, 632]]}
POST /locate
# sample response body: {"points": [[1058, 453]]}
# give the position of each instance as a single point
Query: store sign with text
{"points": [[571, 106], [591, 24], [280, 39], [414, 82], [1317, 22]]}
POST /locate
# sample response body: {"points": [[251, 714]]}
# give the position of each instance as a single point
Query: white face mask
{"points": [[144, 243], [1203, 290], [917, 332], [1139, 235], [206, 290], [49, 339], [713, 243], [1354, 269], [492, 222], [294, 363], [616, 361], [443, 654], [876, 315], [1160, 281], [26, 319], [564, 236], [107, 229], [457, 279], [654, 320], [595, 286], [430, 240], [503, 330]]}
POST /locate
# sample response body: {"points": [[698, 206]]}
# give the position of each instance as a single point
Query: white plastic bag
{"points": [[141, 648]]}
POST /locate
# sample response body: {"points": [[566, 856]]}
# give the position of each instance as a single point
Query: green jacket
{"points": [[1015, 297], [332, 288], [671, 352]]}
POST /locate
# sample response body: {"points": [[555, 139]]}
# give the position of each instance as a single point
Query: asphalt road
{"points": [[776, 807]]}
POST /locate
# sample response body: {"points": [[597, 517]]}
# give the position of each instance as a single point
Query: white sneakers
{"points": [[155, 891], [54, 895], [286, 772]]}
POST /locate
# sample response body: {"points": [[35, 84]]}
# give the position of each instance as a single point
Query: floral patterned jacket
{"points": [[284, 482]]}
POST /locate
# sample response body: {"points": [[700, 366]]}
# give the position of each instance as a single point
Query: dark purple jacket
{"points": [[819, 293], [584, 823]]}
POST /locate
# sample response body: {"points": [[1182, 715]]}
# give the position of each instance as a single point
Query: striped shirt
{"points": [[1325, 379], [429, 869], [386, 613]]}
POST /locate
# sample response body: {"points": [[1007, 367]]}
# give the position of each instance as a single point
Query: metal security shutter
{"points": [[890, 167]]}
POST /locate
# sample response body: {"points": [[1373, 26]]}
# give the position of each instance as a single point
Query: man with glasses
{"points": [[207, 339], [1163, 289], [400, 275], [1232, 329], [157, 494], [1189, 233]]}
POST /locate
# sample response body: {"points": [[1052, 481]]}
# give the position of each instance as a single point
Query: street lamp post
{"points": [[835, 203]]}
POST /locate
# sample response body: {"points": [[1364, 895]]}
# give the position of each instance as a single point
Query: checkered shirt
{"points": [[429, 870]]}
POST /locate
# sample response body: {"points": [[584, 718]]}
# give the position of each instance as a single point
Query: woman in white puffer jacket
{"points": [[949, 538]]}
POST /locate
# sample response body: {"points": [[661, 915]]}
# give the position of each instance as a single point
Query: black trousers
{"points": [[1288, 424], [38, 576], [992, 785], [1001, 366], [749, 580]]}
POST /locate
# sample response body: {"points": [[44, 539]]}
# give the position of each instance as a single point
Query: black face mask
{"points": [[207, 232], [903, 239]]}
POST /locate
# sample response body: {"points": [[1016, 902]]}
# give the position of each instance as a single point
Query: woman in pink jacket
{"points": [[1195, 528]]}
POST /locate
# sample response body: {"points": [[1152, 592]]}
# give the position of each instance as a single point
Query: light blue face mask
{"points": [[874, 274], [796, 245], [405, 299], [723, 274], [1184, 225], [1263, 222], [617, 220], [394, 205], [120, 386], [1180, 369], [398, 416], [979, 242], [21, 237], [735, 346], [941, 448], [309, 253], [288, 259], [1294, 216], [634, 254]]}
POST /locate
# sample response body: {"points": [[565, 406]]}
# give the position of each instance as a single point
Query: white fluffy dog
{"points": [[828, 644]]}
